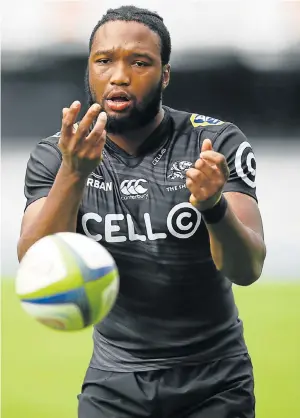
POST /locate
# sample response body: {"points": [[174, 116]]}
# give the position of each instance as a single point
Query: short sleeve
{"points": [[233, 144], [42, 167]]}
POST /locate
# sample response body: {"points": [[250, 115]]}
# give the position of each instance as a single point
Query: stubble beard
{"points": [[140, 115]]}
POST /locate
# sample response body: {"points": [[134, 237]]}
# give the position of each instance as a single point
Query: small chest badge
{"points": [[178, 170]]}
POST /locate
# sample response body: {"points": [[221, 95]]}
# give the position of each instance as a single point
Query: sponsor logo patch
{"points": [[201, 120], [134, 189]]}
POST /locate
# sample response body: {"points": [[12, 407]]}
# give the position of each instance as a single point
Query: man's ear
{"points": [[166, 75]]}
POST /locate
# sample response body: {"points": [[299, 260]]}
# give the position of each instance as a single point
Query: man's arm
{"points": [[237, 240], [55, 213], [233, 222], [81, 153]]}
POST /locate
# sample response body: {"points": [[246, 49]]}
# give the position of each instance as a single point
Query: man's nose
{"points": [[120, 75]]}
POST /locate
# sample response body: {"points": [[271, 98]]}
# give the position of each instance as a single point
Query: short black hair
{"points": [[144, 16]]}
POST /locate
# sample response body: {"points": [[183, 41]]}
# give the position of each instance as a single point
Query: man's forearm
{"points": [[59, 212], [238, 252]]}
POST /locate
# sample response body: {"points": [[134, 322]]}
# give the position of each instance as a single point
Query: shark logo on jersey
{"points": [[178, 170], [134, 189], [201, 120]]}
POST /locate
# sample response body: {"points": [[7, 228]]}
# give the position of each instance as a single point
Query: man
{"points": [[172, 196]]}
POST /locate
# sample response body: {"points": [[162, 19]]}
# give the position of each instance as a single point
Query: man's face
{"points": [[125, 74]]}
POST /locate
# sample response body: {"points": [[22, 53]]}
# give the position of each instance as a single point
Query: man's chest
{"points": [[148, 202]]}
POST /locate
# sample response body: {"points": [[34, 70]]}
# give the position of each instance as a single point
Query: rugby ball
{"points": [[67, 281]]}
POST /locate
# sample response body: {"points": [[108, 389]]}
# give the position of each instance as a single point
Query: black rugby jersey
{"points": [[173, 305]]}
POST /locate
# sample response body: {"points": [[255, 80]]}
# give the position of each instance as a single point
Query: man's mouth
{"points": [[118, 103]]}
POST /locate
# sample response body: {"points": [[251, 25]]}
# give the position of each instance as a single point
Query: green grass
{"points": [[42, 370]]}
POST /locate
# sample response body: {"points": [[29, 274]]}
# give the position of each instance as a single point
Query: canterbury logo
{"points": [[133, 187]]}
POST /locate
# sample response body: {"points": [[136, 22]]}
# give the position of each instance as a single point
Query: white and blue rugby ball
{"points": [[67, 281]]}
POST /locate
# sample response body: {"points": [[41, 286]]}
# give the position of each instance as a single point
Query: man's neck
{"points": [[132, 140]]}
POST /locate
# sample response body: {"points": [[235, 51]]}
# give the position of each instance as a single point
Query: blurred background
{"points": [[234, 60]]}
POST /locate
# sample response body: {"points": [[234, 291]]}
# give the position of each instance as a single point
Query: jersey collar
{"points": [[154, 140]]}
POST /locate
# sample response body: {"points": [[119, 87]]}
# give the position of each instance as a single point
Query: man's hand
{"points": [[208, 177], [81, 150]]}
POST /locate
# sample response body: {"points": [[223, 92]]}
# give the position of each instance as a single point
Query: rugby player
{"points": [[172, 196]]}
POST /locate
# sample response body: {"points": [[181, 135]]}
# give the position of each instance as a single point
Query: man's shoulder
{"points": [[185, 121], [53, 139], [47, 148], [50, 143]]}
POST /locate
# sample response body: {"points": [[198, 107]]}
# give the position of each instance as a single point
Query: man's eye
{"points": [[103, 61], [140, 64]]}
